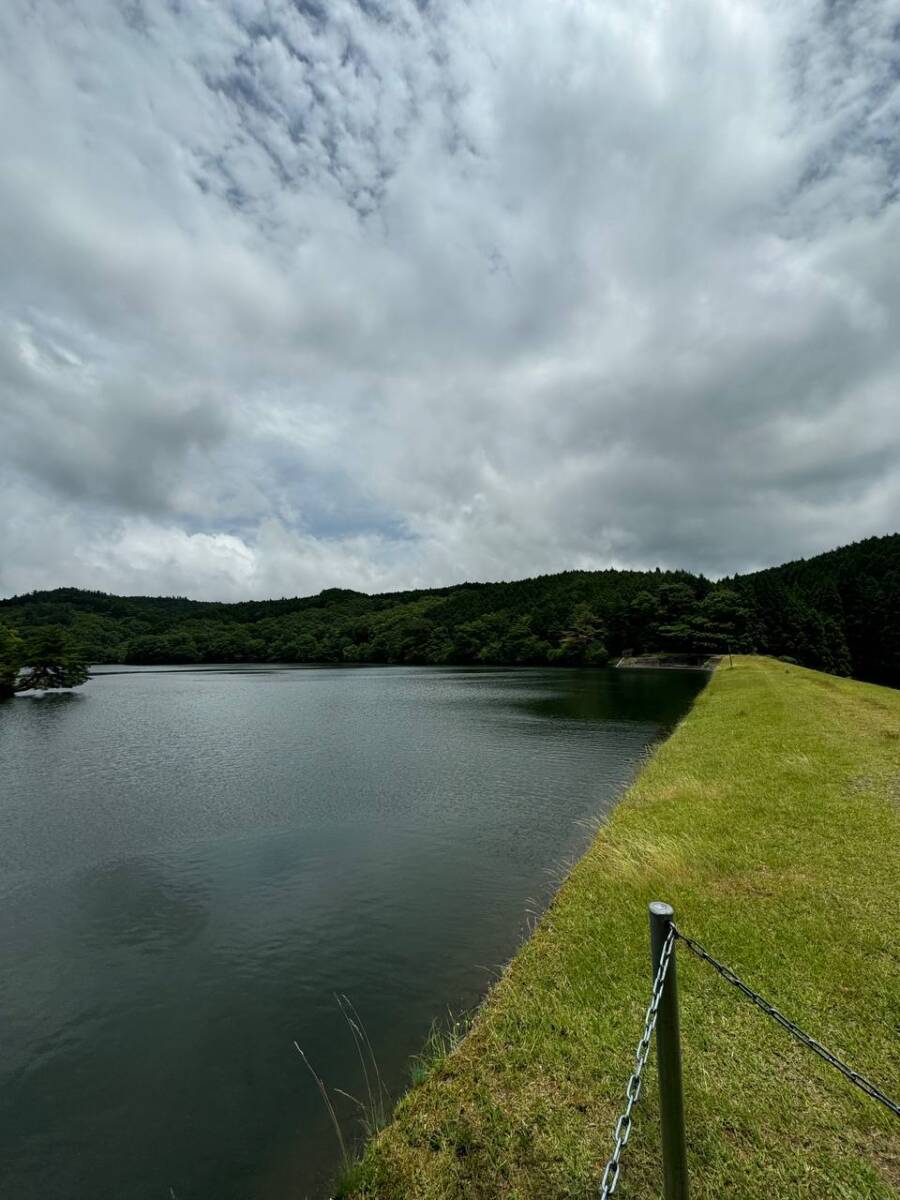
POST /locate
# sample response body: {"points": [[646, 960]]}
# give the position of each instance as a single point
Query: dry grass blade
{"points": [[326, 1099]]}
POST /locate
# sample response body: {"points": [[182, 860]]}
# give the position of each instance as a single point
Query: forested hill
{"points": [[839, 612], [848, 599]]}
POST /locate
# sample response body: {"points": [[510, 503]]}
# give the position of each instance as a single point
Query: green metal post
{"points": [[668, 1058]]}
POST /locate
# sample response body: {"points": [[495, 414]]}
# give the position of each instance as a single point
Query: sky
{"points": [[394, 293]]}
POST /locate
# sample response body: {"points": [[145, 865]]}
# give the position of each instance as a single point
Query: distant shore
{"points": [[669, 662]]}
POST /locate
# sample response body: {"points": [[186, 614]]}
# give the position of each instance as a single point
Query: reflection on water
{"points": [[135, 903], [194, 861]]}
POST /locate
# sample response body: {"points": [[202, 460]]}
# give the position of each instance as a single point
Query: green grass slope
{"points": [[769, 820]]}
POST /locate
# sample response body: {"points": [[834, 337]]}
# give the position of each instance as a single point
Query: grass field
{"points": [[770, 821]]}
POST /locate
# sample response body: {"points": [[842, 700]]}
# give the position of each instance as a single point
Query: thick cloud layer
{"points": [[377, 293]]}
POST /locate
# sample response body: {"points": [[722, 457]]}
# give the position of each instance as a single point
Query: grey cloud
{"points": [[396, 293], [91, 435]]}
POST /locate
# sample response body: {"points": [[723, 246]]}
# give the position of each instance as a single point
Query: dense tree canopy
{"points": [[839, 612]]}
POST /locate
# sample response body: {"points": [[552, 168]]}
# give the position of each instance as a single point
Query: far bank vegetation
{"points": [[839, 612]]}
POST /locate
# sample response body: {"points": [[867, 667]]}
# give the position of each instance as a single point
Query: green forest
{"points": [[837, 612]]}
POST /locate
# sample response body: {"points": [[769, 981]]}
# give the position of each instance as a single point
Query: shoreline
{"points": [[668, 662], [757, 815]]}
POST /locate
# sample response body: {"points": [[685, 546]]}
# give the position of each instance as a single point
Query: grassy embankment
{"points": [[769, 820]]}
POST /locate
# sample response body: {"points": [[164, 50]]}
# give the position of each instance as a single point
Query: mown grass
{"points": [[769, 820]]}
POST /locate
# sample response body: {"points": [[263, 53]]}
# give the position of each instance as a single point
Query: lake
{"points": [[197, 861]]}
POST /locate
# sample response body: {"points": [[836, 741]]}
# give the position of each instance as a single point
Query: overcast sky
{"points": [[381, 293]]}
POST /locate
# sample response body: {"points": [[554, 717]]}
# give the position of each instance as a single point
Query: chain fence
{"points": [[793, 1029], [610, 1178], [612, 1171]]}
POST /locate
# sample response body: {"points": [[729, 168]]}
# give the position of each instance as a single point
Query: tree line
{"points": [[837, 612]]}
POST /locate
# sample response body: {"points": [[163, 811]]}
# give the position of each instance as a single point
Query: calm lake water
{"points": [[195, 861]]}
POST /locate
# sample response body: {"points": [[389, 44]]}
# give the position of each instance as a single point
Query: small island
{"points": [[40, 661]]}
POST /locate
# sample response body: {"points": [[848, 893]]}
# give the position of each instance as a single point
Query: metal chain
{"points": [[633, 1090], [861, 1082]]}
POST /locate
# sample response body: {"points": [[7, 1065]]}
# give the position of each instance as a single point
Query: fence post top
{"points": [[659, 908]]}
